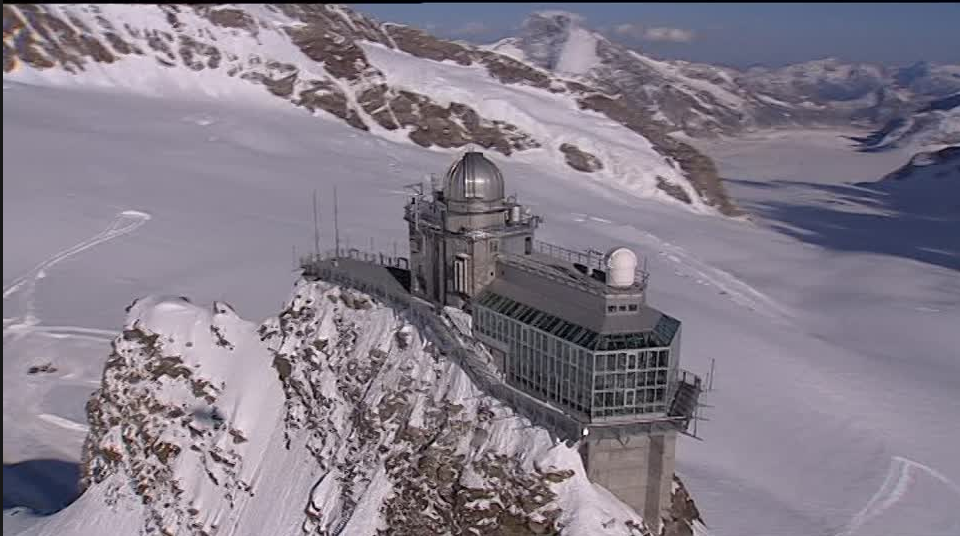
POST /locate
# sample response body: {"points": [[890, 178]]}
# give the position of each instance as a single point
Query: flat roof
{"points": [[574, 313], [564, 271]]}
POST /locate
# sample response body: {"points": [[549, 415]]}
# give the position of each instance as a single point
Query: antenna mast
{"points": [[316, 227], [336, 223]]}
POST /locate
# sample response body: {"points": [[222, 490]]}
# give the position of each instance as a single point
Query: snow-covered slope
{"points": [[332, 61], [931, 128], [696, 98], [831, 316], [707, 100], [336, 417]]}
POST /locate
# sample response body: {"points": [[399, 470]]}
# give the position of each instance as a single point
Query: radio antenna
{"points": [[316, 227], [336, 222]]}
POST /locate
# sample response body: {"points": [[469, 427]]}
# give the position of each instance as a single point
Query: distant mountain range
{"points": [[704, 100], [934, 126], [388, 79], [551, 93]]}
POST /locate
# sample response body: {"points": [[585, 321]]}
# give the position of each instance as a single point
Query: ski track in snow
{"points": [[63, 423], [894, 488], [687, 265], [125, 222], [728, 284]]}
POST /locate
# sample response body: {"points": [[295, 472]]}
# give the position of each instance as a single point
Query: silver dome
{"points": [[474, 178]]}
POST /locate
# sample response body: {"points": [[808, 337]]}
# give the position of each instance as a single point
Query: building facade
{"points": [[570, 329]]}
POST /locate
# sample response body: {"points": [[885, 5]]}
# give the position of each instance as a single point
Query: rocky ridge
{"points": [[705, 100], [312, 56], [200, 414]]}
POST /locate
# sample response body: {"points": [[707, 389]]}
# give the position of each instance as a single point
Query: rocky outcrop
{"points": [[936, 125], [933, 165], [706, 100], [683, 512], [41, 38], [313, 56], [158, 408], [698, 168], [198, 410], [580, 160], [438, 484]]}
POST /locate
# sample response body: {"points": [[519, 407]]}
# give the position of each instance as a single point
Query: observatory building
{"points": [[570, 329]]}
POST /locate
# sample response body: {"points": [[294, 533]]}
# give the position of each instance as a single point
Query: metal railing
{"points": [[592, 259], [470, 355], [310, 261]]}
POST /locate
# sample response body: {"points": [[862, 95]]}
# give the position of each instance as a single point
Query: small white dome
{"points": [[621, 267]]}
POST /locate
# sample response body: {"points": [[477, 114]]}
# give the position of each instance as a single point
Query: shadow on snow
{"points": [[45, 486], [917, 219]]}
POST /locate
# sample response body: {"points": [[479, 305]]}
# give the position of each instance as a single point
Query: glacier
{"points": [[836, 367]]}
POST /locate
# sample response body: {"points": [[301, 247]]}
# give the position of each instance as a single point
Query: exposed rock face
{"points": [[328, 35], [699, 169], [310, 55], [683, 512], [201, 414], [936, 125], [437, 486], [158, 408], [672, 189], [706, 100], [937, 165], [579, 159]]}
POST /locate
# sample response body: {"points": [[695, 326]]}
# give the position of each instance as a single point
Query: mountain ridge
{"points": [[341, 405], [317, 57], [706, 100]]}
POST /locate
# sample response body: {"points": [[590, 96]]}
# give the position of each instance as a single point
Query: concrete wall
{"points": [[637, 469]]}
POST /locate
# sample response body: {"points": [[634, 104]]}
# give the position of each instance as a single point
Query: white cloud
{"points": [[675, 35], [629, 30], [637, 31], [472, 28]]}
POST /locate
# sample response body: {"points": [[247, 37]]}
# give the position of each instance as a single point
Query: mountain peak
{"points": [[332, 61], [555, 40], [557, 15], [339, 405]]}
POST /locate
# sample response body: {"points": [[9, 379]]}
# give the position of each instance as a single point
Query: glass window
{"points": [[632, 361], [662, 358], [633, 307], [611, 308], [608, 399], [659, 395], [589, 340], [609, 381], [631, 380], [628, 397], [618, 398], [611, 361], [623, 308], [621, 361], [597, 400], [621, 381]]}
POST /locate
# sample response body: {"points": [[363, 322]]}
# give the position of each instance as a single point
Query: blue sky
{"points": [[732, 34]]}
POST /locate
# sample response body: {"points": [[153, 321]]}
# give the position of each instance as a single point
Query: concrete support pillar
{"points": [[638, 469]]}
